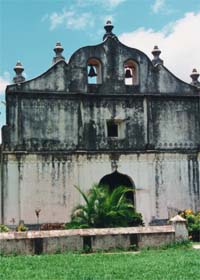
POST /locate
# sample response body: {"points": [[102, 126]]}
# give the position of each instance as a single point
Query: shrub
{"points": [[193, 223], [4, 228], [104, 209], [21, 227]]}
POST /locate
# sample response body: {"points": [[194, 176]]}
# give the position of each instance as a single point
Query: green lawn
{"points": [[173, 264]]}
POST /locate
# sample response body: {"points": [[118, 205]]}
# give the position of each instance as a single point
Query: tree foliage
{"points": [[102, 209], [193, 223]]}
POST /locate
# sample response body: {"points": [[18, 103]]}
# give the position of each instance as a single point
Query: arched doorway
{"points": [[116, 179]]}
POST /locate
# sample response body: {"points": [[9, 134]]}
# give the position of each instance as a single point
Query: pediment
{"points": [[53, 80]]}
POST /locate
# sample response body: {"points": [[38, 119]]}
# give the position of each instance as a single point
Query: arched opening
{"points": [[94, 71], [116, 179], [131, 73]]}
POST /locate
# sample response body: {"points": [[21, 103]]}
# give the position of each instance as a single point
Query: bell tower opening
{"points": [[94, 71], [131, 73]]}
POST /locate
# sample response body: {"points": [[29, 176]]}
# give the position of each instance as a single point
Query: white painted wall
{"points": [[47, 182]]}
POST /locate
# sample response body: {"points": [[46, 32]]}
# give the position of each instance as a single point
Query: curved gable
{"points": [[112, 56], [54, 79]]}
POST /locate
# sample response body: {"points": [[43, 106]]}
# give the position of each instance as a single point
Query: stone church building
{"points": [[108, 115]]}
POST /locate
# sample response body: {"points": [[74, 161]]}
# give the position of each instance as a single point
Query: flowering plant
{"points": [[193, 223]]}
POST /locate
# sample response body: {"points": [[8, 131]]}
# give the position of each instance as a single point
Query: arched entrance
{"points": [[116, 179]]}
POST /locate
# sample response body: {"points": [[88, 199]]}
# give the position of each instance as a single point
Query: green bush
{"points": [[21, 227], [193, 223], [4, 228], [103, 209]]}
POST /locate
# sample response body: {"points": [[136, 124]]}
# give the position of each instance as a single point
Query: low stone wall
{"points": [[38, 242]]}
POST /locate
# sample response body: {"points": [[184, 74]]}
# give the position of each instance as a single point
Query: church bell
{"points": [[128, 73], [92, 72]]}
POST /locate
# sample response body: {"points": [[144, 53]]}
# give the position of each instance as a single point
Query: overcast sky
{"points": [[29, 30]]}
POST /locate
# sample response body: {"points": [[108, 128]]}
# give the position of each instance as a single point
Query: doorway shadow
{"points": [[117, 179]]}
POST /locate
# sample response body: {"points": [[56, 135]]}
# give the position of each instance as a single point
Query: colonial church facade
{"points": [[109, 115]]}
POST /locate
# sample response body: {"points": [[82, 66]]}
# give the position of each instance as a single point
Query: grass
{"points": [[171, 263]]}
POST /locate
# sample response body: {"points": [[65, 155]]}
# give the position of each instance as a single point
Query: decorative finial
{"points": [[194, 76], [108, 28], [58, 51], [18, 70], [156, 53]]}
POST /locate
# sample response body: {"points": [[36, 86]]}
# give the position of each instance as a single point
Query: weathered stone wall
{"points": [[163, 181], [49, 123], [174, 123], [83, 239], [71, 123]]}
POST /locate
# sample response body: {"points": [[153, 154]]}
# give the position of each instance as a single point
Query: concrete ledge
{"points": [[38, 242], [86, 232]]}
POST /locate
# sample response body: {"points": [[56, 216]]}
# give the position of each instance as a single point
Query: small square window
{"points": [[112, 129]]}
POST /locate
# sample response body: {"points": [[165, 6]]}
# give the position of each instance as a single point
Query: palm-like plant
{"points": [[103, 208]]}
